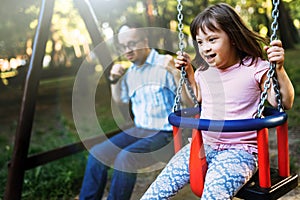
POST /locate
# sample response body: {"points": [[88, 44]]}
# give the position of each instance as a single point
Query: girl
{"points": [[228, 85]]}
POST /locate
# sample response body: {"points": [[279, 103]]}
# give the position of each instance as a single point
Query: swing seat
{"points": [[279, 187], [267, 183]]}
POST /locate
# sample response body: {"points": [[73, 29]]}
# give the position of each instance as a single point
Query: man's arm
{"points": [[116, 77], [116, 74]]}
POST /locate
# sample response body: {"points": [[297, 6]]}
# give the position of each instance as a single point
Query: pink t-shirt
{"points": [[233, 93]]}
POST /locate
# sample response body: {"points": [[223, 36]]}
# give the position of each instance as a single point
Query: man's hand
{"points": [[116, 72]]}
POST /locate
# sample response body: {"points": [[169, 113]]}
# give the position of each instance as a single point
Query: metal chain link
{"points": [[181, 47], [274, 26], [178, 93], [183, 78], [191, 92], [180, 26], [272, 68]]}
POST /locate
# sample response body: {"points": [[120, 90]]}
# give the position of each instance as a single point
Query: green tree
{"points": [[19, 19], [16, 17]]}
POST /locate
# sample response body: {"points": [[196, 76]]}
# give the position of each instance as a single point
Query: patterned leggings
{"points": [[228, 170]]}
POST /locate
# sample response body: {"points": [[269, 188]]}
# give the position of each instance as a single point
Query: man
{"points": [[150, 85]]}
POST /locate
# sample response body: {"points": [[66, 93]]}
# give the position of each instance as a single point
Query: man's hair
{"points": [[133, 25]]}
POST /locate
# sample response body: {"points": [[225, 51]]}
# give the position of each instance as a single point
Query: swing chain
{"points": [[183, 78], [275, 16], [191, 92], [180, 26], [274, 26], [179, 91], [272, 68], [181, 47]]}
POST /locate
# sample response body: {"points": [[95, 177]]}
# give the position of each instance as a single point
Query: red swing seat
{"points": [[267, 183]]}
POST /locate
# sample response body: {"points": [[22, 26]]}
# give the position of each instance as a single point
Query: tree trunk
{"points": [[286, 28]]}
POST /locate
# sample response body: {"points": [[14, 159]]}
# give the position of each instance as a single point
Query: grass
{"points": [[292, 63], [54, 127]]}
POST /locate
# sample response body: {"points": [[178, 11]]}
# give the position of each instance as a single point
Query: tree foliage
{"points": [[19, 18], [16, 17]]}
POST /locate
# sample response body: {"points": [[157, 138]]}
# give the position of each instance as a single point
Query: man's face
{"points": [[132, 45]]}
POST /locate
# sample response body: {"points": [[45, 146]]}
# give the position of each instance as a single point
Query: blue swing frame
{"points": [[182, 118]]}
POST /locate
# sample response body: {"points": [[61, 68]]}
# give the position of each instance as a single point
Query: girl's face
{"points": [[216, 48]]}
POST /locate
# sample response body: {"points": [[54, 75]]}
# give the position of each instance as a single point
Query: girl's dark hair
{"points": [[222, 16]]}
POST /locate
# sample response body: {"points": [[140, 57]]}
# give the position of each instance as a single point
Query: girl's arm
{"points": [[185, 60], [169, 64], [275, 54]]}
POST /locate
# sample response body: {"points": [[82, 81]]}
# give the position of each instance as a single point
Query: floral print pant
{"points": [[228, 170]]}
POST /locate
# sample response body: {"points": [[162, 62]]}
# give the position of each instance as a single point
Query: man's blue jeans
{"points": [[126, 152]]}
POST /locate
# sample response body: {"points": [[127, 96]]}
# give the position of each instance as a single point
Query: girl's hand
{"points": [[183, 59], [275, 53]]}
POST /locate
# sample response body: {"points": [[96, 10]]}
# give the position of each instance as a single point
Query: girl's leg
{"points": [[228, 171], [172, 178]]}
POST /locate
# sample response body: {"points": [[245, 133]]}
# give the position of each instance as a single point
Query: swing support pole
{"points": [[177, 135], [283, 150], [198, 164], [263, 158], [263, 154], [16, 170]]}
